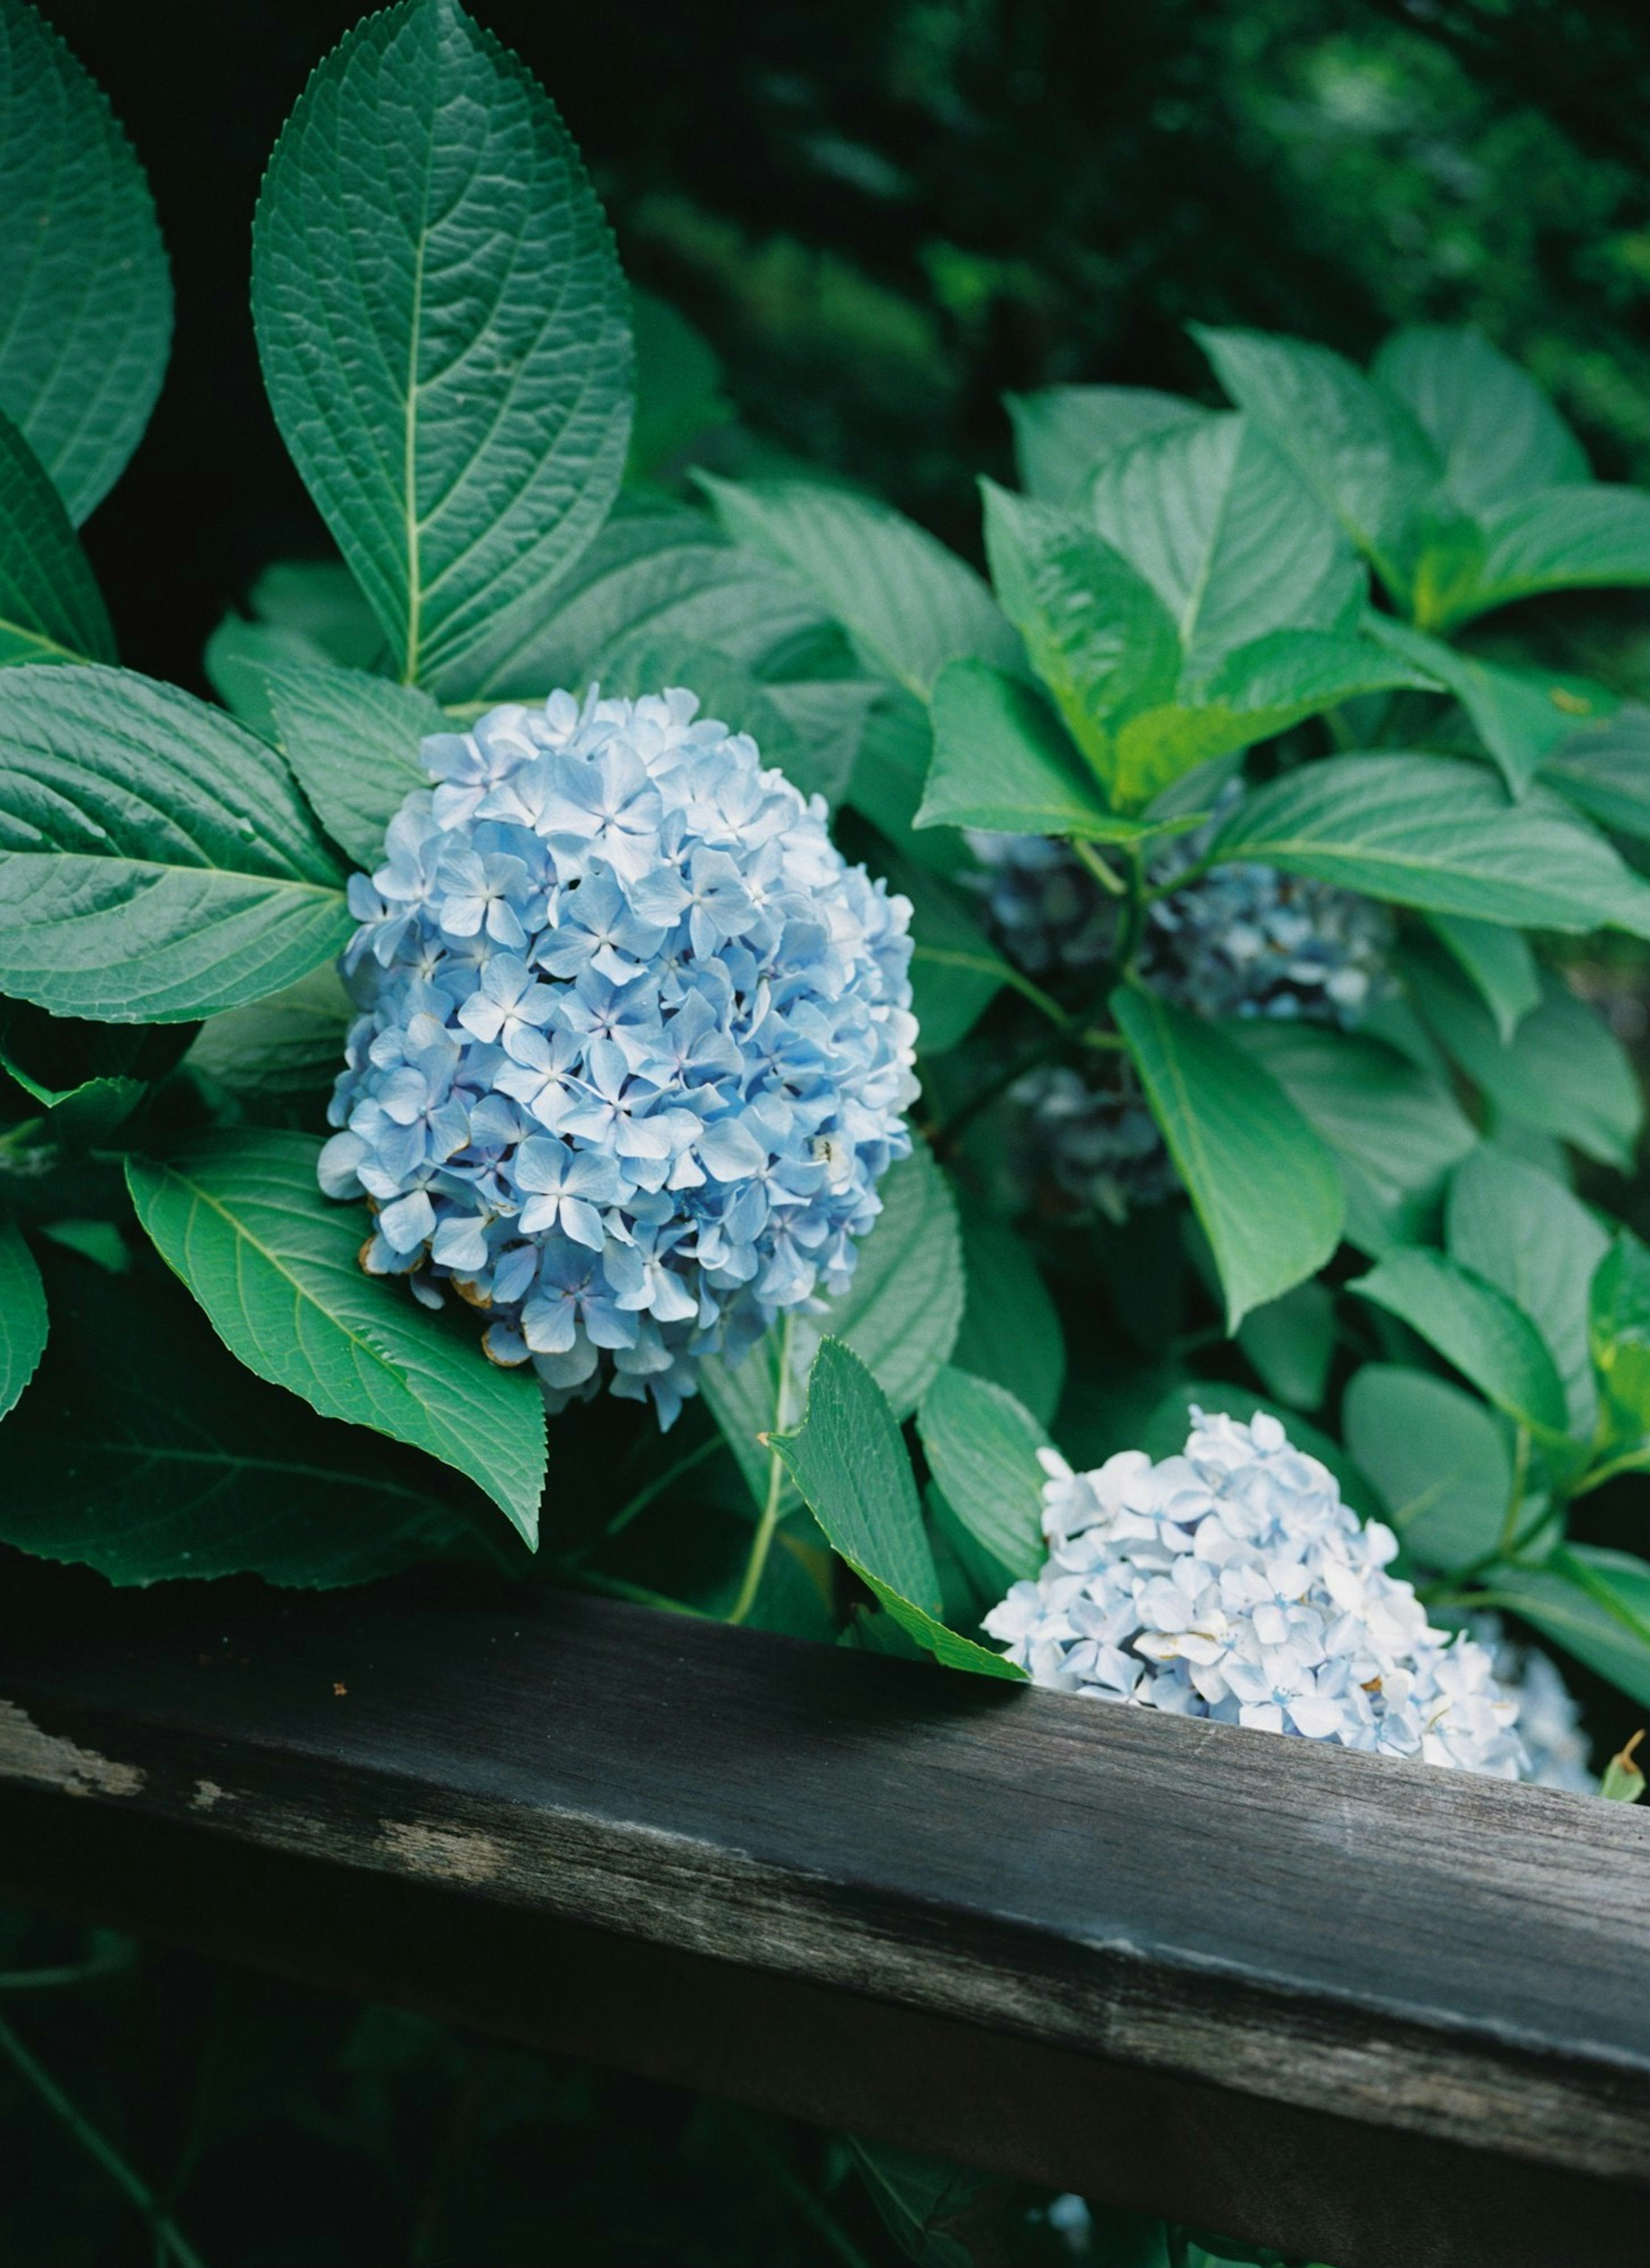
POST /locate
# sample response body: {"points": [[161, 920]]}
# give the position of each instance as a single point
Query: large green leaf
{"points": [[899, 1314], [956, 971], [1228, 535], [1497, 434], [910, 604], [444, 332], [1432, 832], [1438, 1457], [240, 1218], [1579, 536], [1098, 635], [1357, 448], [175, 1461], [1261, 1182], [1563, 1072], [1474, 1325], [84, 288], [50, 607], [1520, 1229], [1062, 433], [1618, 1331], [1604, 769], [1002, 760], [1595, 1603], [1521, 715], [22, 1321], [354, 742], [982, 1447], [1499, 964], [1291, 1343], [157, 861], [1393, 1126], [1010, 1330], [851, 1468], [290, 1044]]}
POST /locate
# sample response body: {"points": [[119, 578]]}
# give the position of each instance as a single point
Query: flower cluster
{"points": [[1232, 1582], [1556, 1746], [1239, 940], [634, 1043]]}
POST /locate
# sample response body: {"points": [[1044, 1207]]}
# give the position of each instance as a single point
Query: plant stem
{"points": [[767, 1526], [162, 2227], [1516, 1494], [106, 1963], [1108, 879], [1630, 1461], [656, 1487], [813, 2210], [614, 1587]]}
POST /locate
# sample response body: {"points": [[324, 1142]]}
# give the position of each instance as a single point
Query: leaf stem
{"points": [[1630, 1461], [162, 2229], [767, 1526], [655, 1488], [1516, 1494], [1107, 876], [813, 2209]]}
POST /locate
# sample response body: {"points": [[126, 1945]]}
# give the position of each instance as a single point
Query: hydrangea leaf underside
{"points": [[240, 1218], [22, 1319], [445, 333], [185, 1465], [83, 272], [50, 607], [1262, 1183], [851, 1468], [157, 861]]}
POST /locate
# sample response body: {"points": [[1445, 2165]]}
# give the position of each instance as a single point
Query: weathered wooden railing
{"points": [[1385, 2016]]}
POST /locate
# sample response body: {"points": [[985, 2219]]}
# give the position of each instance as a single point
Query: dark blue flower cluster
{"points": [[634, 1045]]}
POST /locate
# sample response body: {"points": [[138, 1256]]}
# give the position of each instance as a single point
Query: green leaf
{"points": [[939, 2215], [1062, 433], [1521, 715], [1499, 964], [1432, 832], [23, 1322], [1494, 429], [1563, 1072], [319, 601], [1475, 1326], [50, 607], [1261, 1181], [291, 1043], [1291, 1343], [657, 570], [1098, 635], [1594, 1604], [240, 1218], [1578, 537], [157, 861], [899, 1314], [890, 774], [1604, 769], [1011, 1330], [851, 1468], [1167, 1429], [1002, 760], [1438, 1458], [175, 1461], [83, 272], [956, 972], [982, 1444], [1395, 1127], [1224, 529], [1359, 451], [354, 742], [1618, 1330], [1522, 1230], [910, 604], [678, 388], [444, 332]]}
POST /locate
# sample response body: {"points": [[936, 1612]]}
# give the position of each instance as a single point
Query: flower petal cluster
{"points": [[1232, 1582], [1556, 1746], [634, 1043], [1240, 940]]}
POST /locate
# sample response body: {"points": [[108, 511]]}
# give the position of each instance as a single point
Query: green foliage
{"points": [[83, 272], [22, 1319], [50, 607], [1437, 1457], [1618, 1331], [1001, 760], [352, 741], [1474, 1325], [982, 1444], [239, 1219], [460, 406], [1010, 1331]]}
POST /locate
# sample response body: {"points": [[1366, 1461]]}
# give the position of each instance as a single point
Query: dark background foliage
{"points": [[884, 214]]}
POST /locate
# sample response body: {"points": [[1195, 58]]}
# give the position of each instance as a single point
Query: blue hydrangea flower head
{"points": [[634, 1044]]}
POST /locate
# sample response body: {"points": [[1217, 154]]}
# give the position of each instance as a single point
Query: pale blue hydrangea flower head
{"points": [[634, 1044], [1232, 1582]]}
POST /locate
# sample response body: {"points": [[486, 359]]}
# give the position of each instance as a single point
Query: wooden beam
{"points": [[1387, 2016]]}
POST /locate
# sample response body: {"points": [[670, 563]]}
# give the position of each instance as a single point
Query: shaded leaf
{"points": [[354, 741], [982, 1444], [1618, 1330], [1522, 1230], [1437, 1457], [459, 402], [1291, 1343], [291, 1043], [1605, 769], [240, 1218], [1499, 964], [1062, 433], [1521, 715], [157, 861], [1577, 537], [1002, 760], [678, 387], [22, 1321], [1011, 1330], [1606, 1626], [1474, 1325], [1496, 432], [1260, 1180], [50, 607]]}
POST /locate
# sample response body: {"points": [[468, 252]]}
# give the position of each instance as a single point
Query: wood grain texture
{"points": [[1439, 1971]]}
